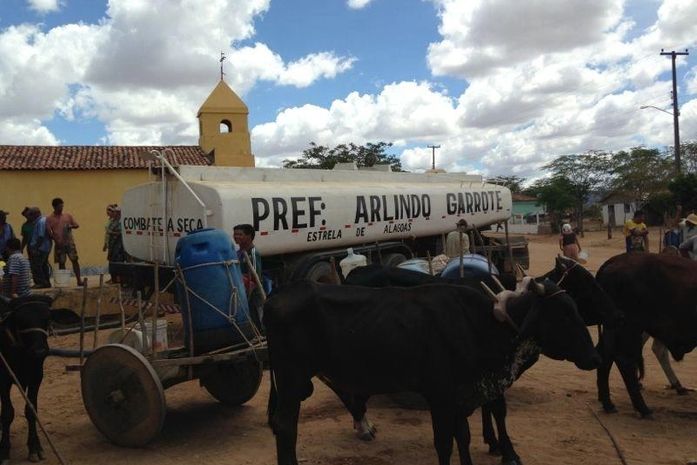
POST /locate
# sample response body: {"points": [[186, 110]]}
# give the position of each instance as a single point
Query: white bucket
{"points": [[132, 338], [61, 278], [160, 336]]}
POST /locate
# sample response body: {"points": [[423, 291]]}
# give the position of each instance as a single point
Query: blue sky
{"points": [[502, 86]]}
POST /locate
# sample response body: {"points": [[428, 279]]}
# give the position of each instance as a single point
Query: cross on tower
{"points": [[222, 59]]}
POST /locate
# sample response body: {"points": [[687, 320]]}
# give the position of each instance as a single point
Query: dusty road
{"points": [[550, 417]]}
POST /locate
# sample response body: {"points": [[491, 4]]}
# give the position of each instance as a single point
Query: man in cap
{"points": [[688, 247], [6, 232]]}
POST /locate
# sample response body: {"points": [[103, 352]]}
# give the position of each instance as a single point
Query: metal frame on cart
{"points": [[123, 389]]}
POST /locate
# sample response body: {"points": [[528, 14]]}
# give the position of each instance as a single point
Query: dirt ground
{"points": [[550, 416]]}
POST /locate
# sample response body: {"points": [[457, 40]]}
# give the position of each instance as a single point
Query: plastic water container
{"points": [[160, 335], [583, 257], [352, 261], [61, 278], [132, 338], [214, 301]]}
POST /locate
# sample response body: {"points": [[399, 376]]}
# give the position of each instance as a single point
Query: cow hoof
{"points": [[42, 454], [494, 449], [647, 415], [515, 461], [681, 390], [609, 408], [365, 436], [34, 457], [365, 430]]}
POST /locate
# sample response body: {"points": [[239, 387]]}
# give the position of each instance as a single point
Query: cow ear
{"points": [[559, 263]]}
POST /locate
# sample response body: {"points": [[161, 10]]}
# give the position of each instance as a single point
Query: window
{"points": [[627, 207], [225, 126]]}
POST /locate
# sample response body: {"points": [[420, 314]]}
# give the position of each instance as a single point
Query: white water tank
{"points": [[352, 261]]}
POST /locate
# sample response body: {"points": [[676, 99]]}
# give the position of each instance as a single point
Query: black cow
{"points": [[657, 294], [594, 305], [441, 341], [23, 343]]}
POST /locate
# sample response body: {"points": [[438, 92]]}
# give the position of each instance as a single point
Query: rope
{"points": [[229, 317], [31, 407], [612, 438]]}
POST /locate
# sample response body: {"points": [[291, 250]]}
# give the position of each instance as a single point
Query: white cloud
{"points": [[14, 132], [44, 6], [358, 4], [479, 35], [152, 52], [405, 110]]}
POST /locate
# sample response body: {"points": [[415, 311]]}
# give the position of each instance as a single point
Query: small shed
{"points": [[617, 207]]}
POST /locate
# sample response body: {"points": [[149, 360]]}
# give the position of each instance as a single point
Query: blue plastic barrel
{"points": [[475, 267], [212, 297]]}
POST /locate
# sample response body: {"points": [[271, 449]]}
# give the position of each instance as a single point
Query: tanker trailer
{"points": [[302, 218]]}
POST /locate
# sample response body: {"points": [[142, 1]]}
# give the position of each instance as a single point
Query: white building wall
{"points": [[621, 215]]}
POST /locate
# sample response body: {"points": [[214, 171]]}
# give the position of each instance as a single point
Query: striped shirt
{"points": [[17, 265]]}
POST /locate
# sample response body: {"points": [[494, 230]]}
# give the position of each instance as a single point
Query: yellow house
{"points": [[88, 178]]}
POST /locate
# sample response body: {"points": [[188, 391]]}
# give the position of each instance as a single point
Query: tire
{"points": [[391, 260], [233, 384], [321, 272]]}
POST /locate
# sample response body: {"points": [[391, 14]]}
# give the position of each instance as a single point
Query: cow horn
{"points": [[536, 287], [522, 270], [488, 290], [498, 283]]}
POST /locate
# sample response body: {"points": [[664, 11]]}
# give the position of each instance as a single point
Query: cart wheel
{"points": [[123, 395], [234, 383]]}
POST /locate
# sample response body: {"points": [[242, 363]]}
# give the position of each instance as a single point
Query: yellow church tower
{"points": [[223, 128]]}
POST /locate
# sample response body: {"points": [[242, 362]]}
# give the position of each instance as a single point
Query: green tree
{"points": [[584, 174], [684, 191], [322, 157], [641, 172], [557, 195], [688, 159], [514, 183]]}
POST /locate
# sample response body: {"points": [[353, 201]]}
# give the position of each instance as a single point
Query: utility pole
{"points": [[676, 112], [434, 147]]}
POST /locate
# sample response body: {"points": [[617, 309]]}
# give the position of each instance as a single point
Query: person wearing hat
{"points": [[636, 233], [688, 247], [6, 232], [568, 242]]}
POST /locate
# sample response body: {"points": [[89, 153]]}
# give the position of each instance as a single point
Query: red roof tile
{"points": [[91, 157]]}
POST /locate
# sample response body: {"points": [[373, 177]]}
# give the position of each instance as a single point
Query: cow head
{"points": [[25, 323], [548, 315], [594, 305]]}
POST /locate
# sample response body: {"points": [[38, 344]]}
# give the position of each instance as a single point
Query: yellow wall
{"points": [[86, 194]]}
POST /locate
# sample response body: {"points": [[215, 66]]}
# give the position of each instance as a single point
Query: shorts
{"points": [[66, 250]]}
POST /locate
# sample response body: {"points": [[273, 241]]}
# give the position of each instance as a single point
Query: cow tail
{"points": [[273, 399]]}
